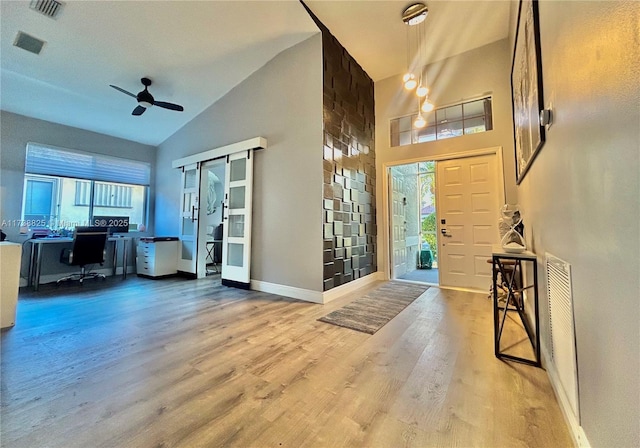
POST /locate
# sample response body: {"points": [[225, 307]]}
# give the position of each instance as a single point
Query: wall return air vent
{"points": [[50, 8], [562, 329]]}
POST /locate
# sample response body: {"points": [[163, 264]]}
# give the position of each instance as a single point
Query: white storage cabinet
{"points": [[157, 257]]}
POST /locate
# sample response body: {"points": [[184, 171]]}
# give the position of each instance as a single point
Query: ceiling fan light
{"points": [[145, 104], [420, 121], [427, 106], [422, 91]]}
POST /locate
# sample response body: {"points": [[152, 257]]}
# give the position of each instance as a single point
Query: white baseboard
{"points": [[347, 288], [307, 295], [577, 432]]}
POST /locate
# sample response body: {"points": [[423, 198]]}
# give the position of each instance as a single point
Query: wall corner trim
{"points": [[288, 291], [336, 293], [308, 295], [245, 145]]}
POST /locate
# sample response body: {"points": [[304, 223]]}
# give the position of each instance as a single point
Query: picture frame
{"points": [[526, 88]]}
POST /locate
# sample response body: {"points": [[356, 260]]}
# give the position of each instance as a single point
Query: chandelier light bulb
{"points": [[422, 91], [427, 106], [410, 82], [420, 121]]}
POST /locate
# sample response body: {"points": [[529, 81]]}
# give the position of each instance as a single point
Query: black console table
{"points": [[509, 266]]}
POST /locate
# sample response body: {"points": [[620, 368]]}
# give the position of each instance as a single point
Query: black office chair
{"points": [[88, 248]]}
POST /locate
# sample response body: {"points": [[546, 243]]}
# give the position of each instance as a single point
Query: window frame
{"points": [[56, 199], [58, 178], [55, 191]]}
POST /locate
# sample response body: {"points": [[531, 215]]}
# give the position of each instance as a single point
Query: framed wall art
{"points": [[526, 88]]}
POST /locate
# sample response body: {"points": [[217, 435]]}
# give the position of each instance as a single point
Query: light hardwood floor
{"points": [[189, 363]]}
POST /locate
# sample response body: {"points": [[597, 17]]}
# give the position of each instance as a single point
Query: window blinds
{"points": [[83, 165]]}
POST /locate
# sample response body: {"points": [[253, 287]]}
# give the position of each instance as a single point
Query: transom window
{"points": [[446, 122]]}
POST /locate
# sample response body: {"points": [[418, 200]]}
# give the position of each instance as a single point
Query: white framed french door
{"points": [[237, 214], [189, 211]]}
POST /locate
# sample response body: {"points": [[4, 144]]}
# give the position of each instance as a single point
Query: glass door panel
{"points": [[190, 179], [237, 197], [236, 226], [187, 227], [238, 170], [235, 254], [187, 250]]}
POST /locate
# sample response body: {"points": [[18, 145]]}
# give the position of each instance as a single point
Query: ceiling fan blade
{"points": [[138, 110], [122, 90], [168, 105]]}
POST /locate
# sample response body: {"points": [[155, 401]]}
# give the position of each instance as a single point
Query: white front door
{"points": [[468, 213], [189, 211], [236, 221]]}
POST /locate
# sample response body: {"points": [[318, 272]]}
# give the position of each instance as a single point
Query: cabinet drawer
{"points": [[147, 249], [157, 258]]}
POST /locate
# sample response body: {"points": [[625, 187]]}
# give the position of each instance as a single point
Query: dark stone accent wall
{"points": [[349, 204]]}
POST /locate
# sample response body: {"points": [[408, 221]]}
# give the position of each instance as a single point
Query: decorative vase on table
{"points": [[512, 229]]}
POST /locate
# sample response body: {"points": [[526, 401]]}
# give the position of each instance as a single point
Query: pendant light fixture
{"points": [[409, 80], [427, 106], [415, 14], [414, 17], [422, 90], [419, 122]]}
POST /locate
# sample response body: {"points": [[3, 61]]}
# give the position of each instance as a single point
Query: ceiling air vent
{"points": [[50, 8], [29, 43]]}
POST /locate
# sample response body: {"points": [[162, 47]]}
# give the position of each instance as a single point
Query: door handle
{"points": [[444, 233]]}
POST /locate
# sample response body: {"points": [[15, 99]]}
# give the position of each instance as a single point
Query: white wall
{"points": [[485, 70], [282, 102], [581, 201]]}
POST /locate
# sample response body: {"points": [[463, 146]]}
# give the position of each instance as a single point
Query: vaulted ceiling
{"points": [[197, 51]]}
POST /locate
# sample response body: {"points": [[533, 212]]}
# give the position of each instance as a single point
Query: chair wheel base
{"points": [[81, 277]]}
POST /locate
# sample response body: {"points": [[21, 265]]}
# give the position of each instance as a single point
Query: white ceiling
{"points": [[196, 51]]}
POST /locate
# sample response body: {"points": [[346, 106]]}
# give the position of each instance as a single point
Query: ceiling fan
{"points": [[145, 99]]}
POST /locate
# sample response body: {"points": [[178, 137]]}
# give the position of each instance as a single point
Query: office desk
{"points": [[35, 260]]}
